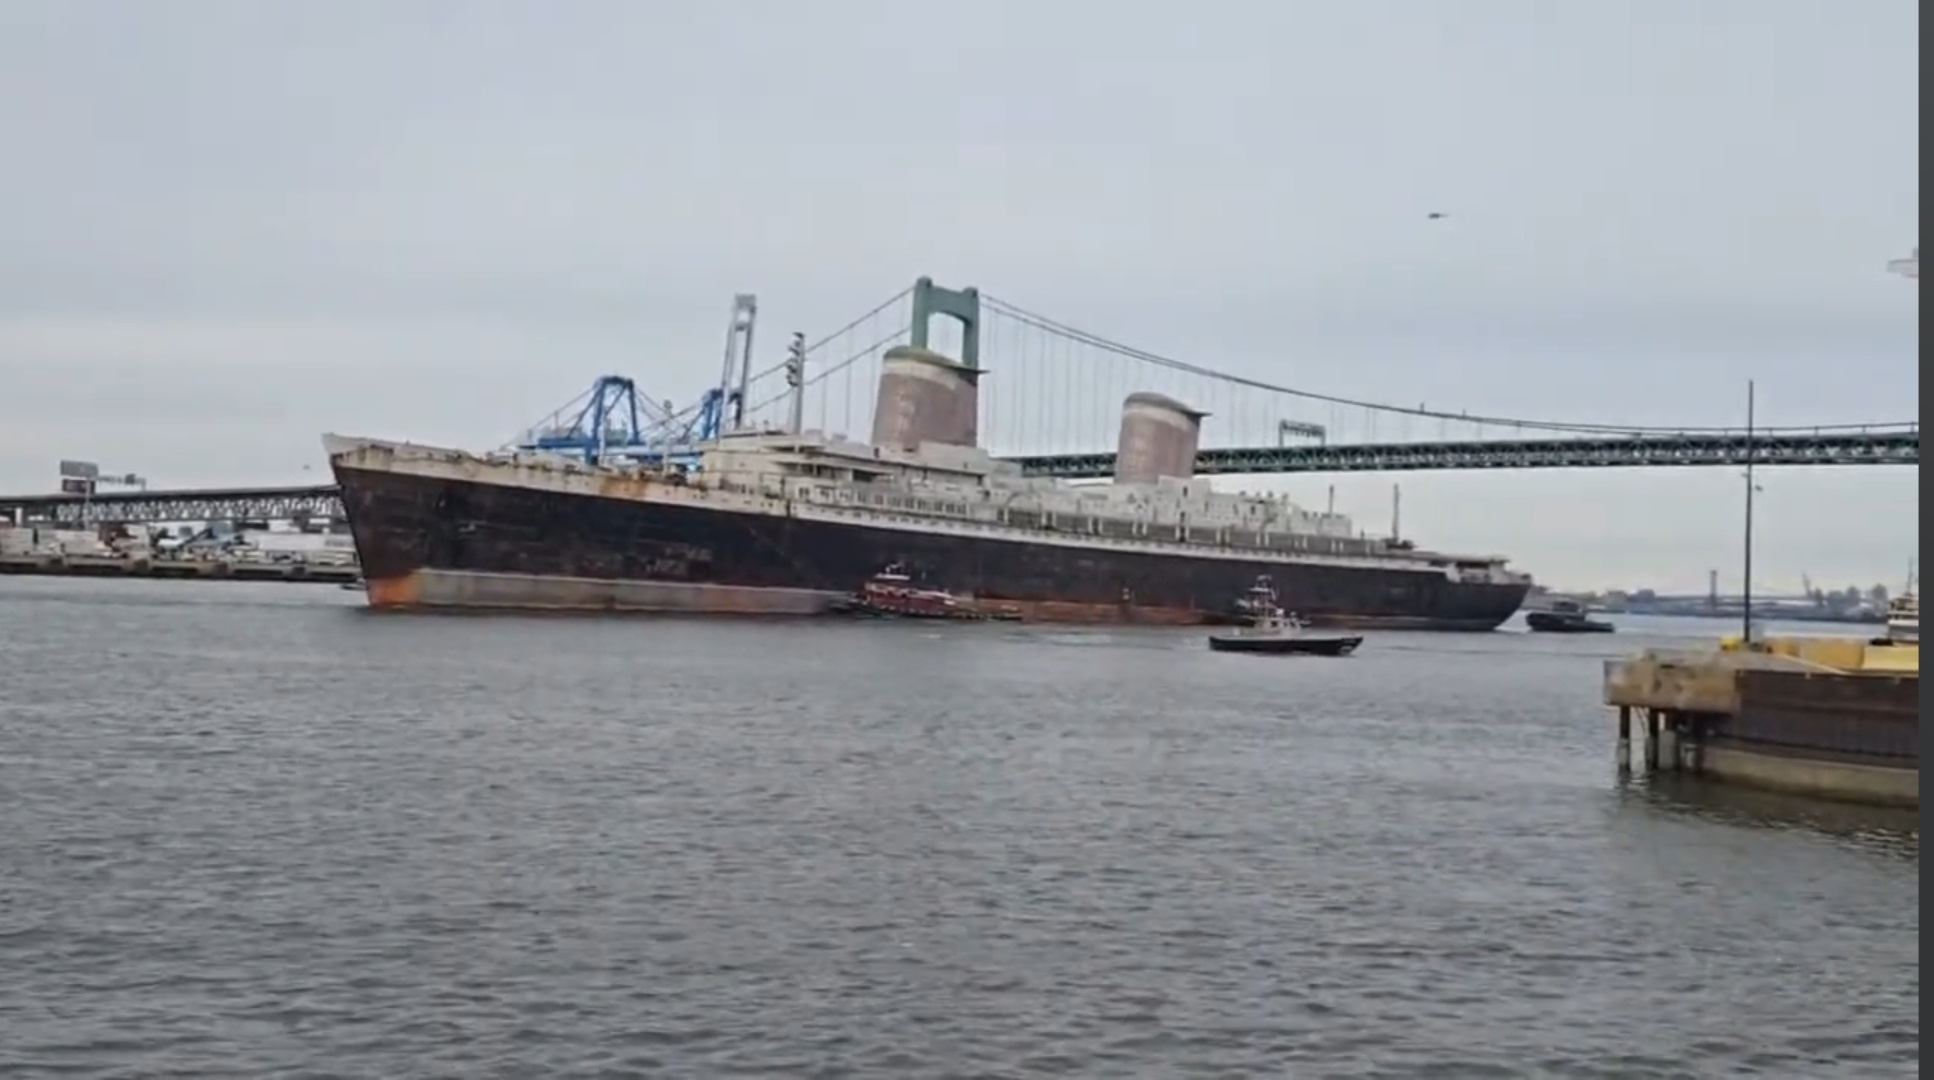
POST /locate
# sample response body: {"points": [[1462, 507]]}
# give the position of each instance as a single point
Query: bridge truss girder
{"points": [[1868, 448], [1836, 448], [163, 507]]}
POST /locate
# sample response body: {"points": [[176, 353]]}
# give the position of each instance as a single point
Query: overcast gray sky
{"points": [[233, 224]]}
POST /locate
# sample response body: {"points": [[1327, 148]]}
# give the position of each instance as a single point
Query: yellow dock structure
{"points": [[1835, 718]]}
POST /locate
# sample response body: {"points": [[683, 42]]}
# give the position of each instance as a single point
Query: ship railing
{"points": [[1220, 539]]}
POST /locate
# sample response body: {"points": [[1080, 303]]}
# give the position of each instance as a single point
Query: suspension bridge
{"points": [[1051, 401], [1052, 397]]}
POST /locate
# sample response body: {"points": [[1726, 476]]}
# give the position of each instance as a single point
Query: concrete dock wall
{"points": [[1875, 718], [1813, 776], [178, 569]]}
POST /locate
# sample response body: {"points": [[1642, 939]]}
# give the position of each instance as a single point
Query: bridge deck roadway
{"points": [[1895, 447]]}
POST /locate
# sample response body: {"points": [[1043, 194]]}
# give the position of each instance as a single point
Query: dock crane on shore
{"points": [[613, 422]]}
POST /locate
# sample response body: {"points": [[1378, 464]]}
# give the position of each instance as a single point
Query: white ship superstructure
{"points": [[966, 485]]}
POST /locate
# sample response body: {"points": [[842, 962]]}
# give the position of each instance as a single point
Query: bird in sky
{"points": [[1436, 215]]}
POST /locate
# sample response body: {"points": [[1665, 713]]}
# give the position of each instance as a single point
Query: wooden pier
{"points": [[119, 566], [1836, 719]]}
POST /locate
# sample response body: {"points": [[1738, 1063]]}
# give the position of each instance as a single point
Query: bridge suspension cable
{"points": [[818, 377], [1059, 329], [878, 310]]}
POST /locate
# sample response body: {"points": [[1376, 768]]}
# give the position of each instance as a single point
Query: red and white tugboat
{"points": [[892, 593]]}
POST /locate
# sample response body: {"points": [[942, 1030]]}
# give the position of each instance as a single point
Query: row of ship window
{"points": [[834, 494], [1096, 526]]}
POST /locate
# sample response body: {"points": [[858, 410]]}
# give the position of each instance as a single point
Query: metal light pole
{"points": [[1746, 607]]}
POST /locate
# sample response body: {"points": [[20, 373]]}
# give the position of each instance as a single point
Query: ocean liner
{"points": [[792, 522]]}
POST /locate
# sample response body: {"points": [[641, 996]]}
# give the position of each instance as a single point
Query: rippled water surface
{"points": [[253, 831]]}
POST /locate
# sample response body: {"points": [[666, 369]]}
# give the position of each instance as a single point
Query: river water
{"points": [[254, 831]]}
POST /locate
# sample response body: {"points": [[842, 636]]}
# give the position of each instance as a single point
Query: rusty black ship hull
{"points": [[640, 544]]}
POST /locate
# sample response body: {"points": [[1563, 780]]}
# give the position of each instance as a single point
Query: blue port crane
{"points": [[613, 422]]}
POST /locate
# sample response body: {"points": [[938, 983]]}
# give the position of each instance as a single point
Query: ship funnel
{"points": [[925, 397], [1159, 437]]}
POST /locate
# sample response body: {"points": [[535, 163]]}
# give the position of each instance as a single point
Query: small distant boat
{"points": [[891, 593], [1904, 619], [1566, 617], [1274, 633]]}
